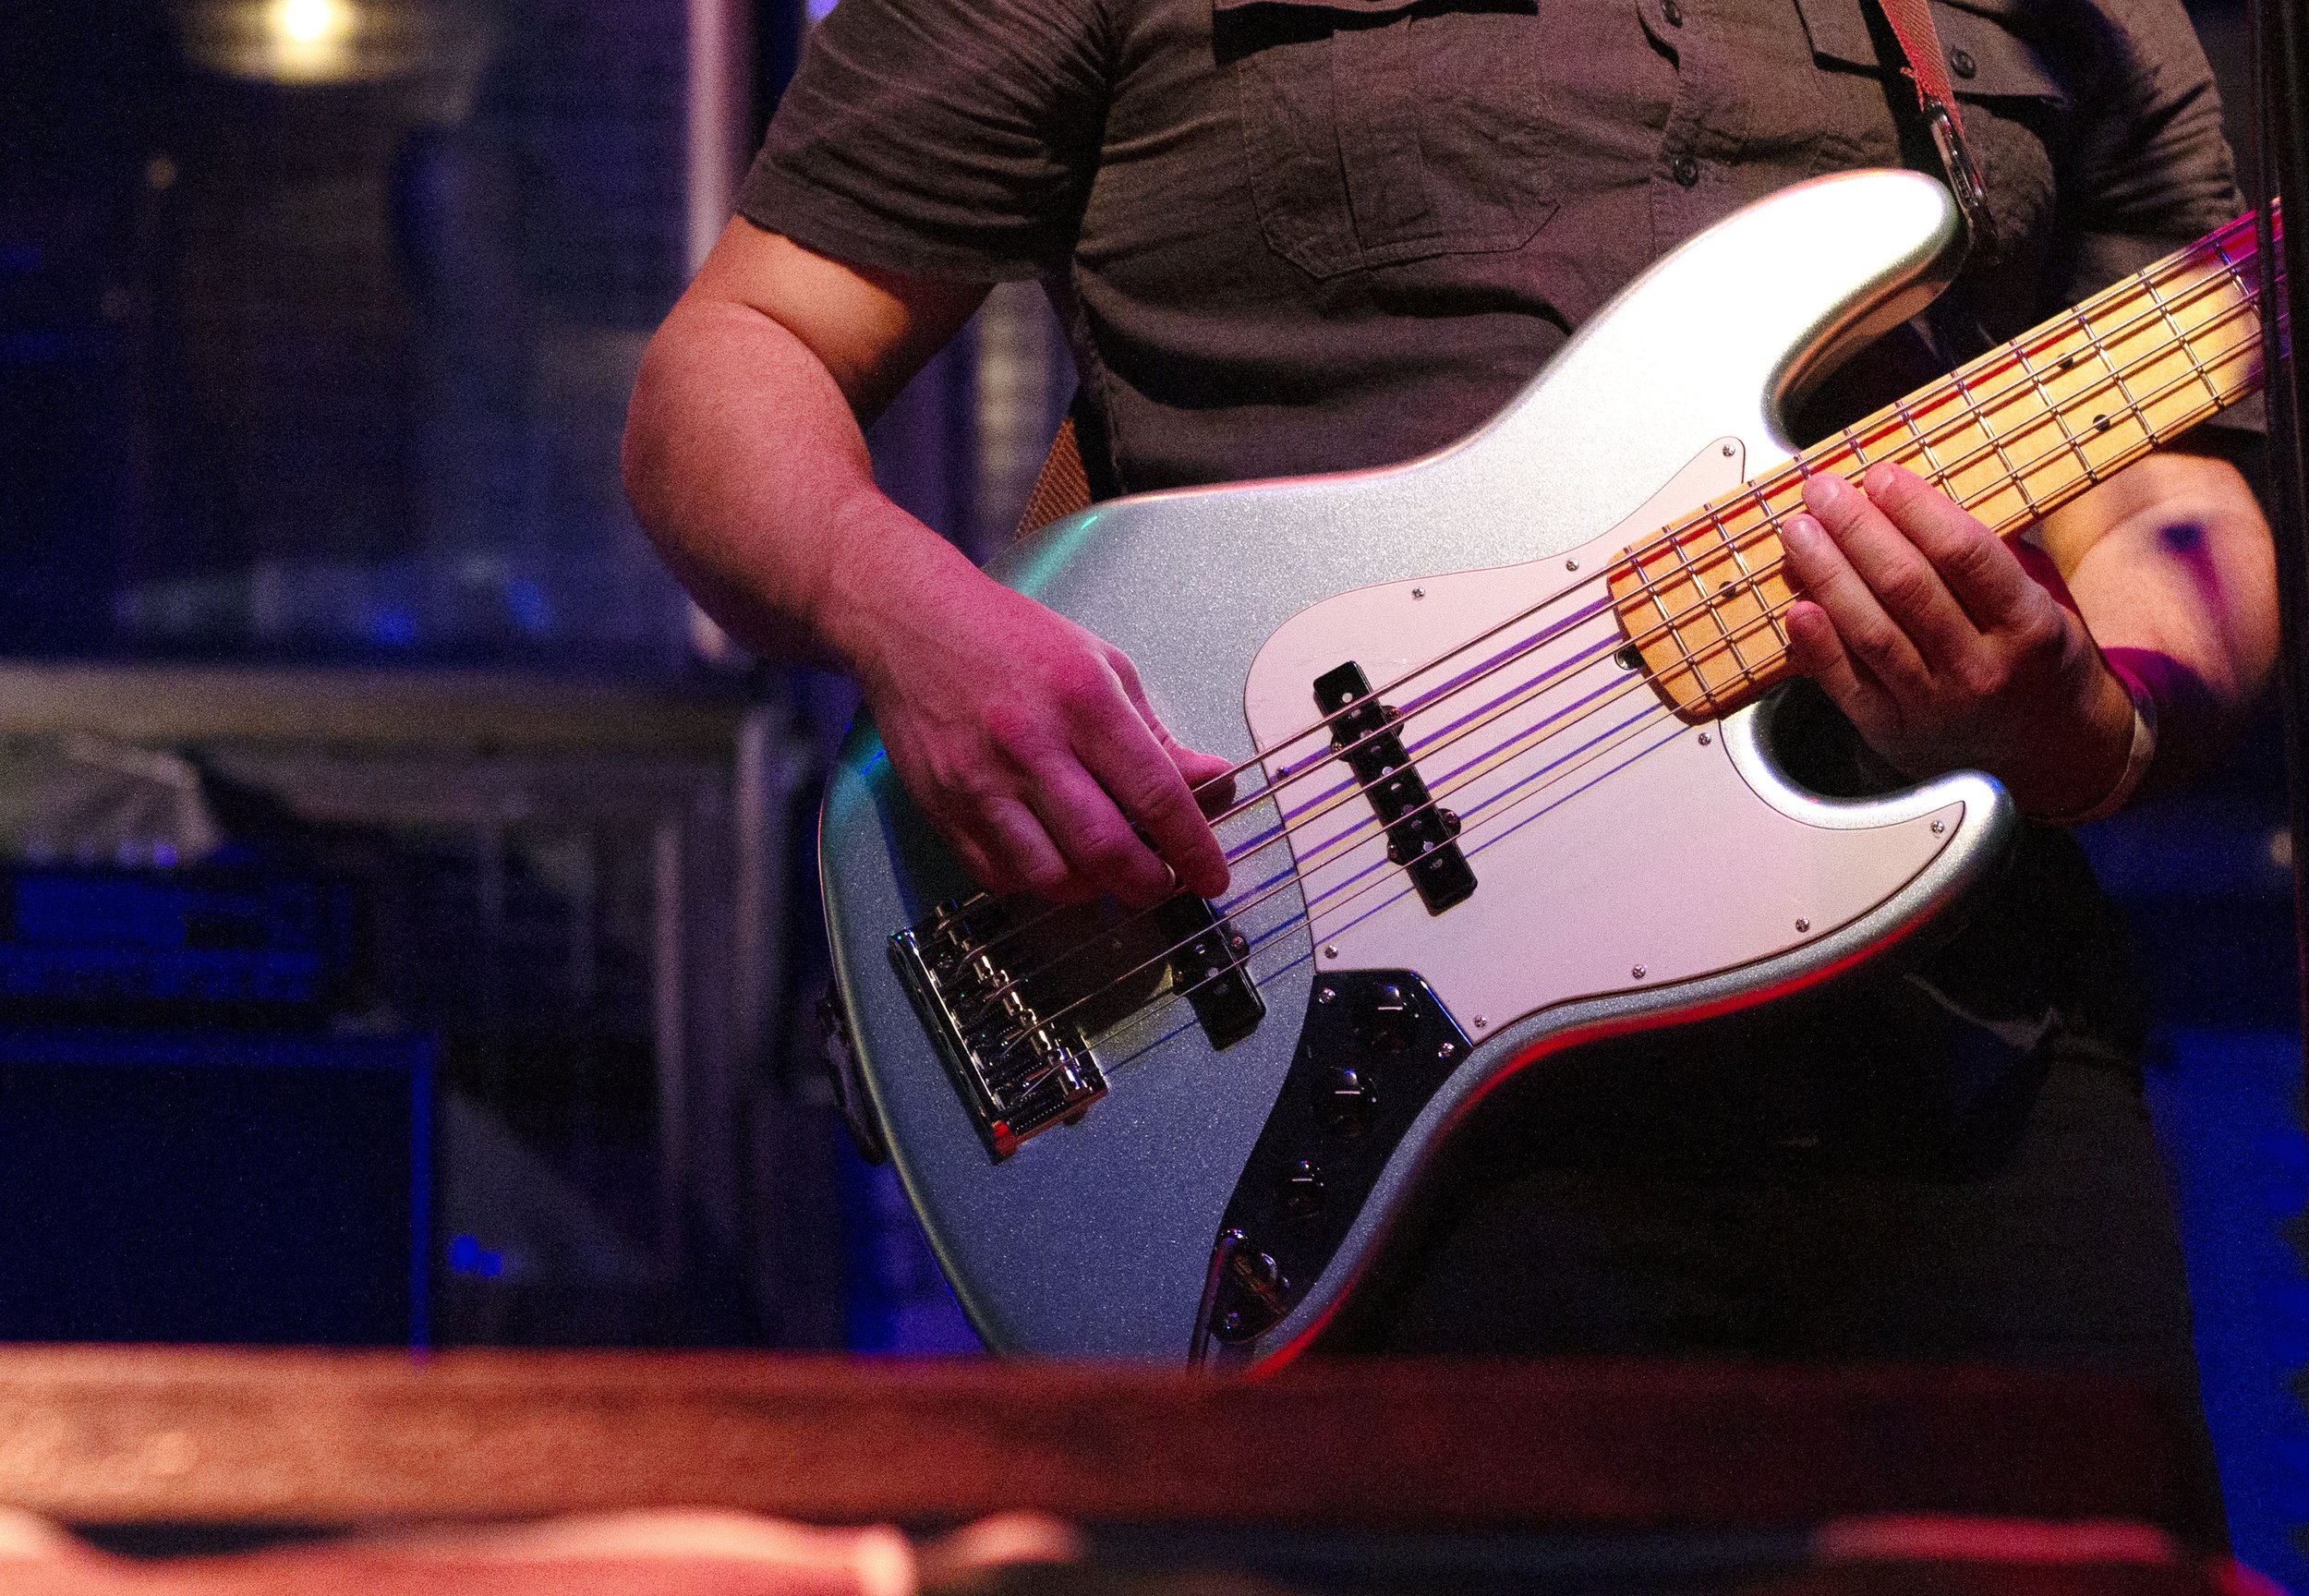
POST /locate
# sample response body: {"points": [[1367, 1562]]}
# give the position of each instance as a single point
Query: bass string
{"points": [[1498, 755], [1291, 821], [1758, 495], [1260, 943], [2013, 353], [1364, 881]]}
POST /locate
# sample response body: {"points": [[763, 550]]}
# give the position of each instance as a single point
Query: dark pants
{"points": [[1772, 1193]]}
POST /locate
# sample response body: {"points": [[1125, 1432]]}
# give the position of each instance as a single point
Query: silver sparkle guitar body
{"points": [[1632, 869]]}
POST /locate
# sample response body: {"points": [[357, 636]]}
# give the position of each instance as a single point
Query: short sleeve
{"points": [[938, 138]]}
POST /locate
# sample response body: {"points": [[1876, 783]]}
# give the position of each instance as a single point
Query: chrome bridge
{"points": [[1010, 991], [1017, 1073]]}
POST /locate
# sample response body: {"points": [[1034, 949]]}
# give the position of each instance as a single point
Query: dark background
{"points": [[316, 363]]}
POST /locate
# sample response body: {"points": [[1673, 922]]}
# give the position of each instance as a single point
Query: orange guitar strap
{"points": [[1928, 69], [1063, 487]]}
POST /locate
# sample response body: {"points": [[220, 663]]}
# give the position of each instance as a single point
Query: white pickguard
{"points": [[1615, 847]]}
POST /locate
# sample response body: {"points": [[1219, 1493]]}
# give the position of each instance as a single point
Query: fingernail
{"points": [[1801, 534]]}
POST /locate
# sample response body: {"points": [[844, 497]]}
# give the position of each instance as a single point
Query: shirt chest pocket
{"points": [[2015, 110], [1383, 131]]}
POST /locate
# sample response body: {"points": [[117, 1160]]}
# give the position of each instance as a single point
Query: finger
{"points": [[1866, 632], [1907, 586], [1208, 777], [1005, 847], [1156, 793], [1819, 653], [1985, 576], [1101, 849]]}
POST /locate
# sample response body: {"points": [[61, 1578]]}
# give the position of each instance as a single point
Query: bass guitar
{"points": [[1503, 723]]}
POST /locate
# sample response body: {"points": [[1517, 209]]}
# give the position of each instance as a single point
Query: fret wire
{"points": [[2220, 248], [2124, 390], [2251, 291], [2092, 473], [2060, 415], [1770, 615], [1732, 546], [2180, 338], [1759, 492], [1673, 627], [1940, 477], [1996, 445], [1700, 586], [1754, 583]]}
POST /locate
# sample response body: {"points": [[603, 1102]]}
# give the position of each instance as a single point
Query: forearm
{"points": [[2172, 567], [746, 466]]}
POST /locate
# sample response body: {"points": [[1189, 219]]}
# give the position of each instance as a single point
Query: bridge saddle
{"points": [[1012, 990]]}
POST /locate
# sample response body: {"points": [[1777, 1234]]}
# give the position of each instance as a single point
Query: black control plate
{"points": [[1375, 1047]]}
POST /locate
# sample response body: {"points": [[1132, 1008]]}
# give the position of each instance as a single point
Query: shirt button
{"points": [[1962, 63], [1686, 171], [1674, 12]]}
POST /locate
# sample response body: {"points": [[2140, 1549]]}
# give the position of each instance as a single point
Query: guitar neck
{"points": [[2011, 437]]}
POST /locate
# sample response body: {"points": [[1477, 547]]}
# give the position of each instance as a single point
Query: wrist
{"points": [[885, 574], [2135, 731]]}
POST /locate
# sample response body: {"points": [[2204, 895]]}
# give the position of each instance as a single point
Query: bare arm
{"points": [[743, 451], [2171, 562], [1027, 742]]}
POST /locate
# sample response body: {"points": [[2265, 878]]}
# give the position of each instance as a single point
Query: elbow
{"points": [[642, 450]]}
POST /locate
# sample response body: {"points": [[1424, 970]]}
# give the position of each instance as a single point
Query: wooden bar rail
{"points": [[117, 1435]]}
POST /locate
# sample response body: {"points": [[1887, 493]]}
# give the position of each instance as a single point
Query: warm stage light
{"points": [[310, 42], [311, 39], [310, 22]]}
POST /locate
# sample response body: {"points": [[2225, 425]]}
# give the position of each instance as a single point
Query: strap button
{"points": [[1686, 171], [1960, 63]]}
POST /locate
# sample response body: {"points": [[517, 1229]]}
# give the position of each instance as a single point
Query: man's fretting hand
{"points": [[1029, 743], [1933, 639]]}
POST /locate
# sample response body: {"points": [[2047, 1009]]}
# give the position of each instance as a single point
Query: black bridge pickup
{"points": [[1207, 963], [1419, 833]]}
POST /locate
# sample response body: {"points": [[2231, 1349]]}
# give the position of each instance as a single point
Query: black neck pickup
{"points": [[1420, 833]]}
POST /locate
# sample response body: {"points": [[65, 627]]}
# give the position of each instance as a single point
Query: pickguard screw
{"points": [[1480, 1021], [1638, 972], [1571, 564], [1727, 451], [1705, 739], [1231, 1325], [1804, 924], [1446, 1050], [1330, 951], [1419, 592], [1238, 944], [1939, 827], [1325, 994]]}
